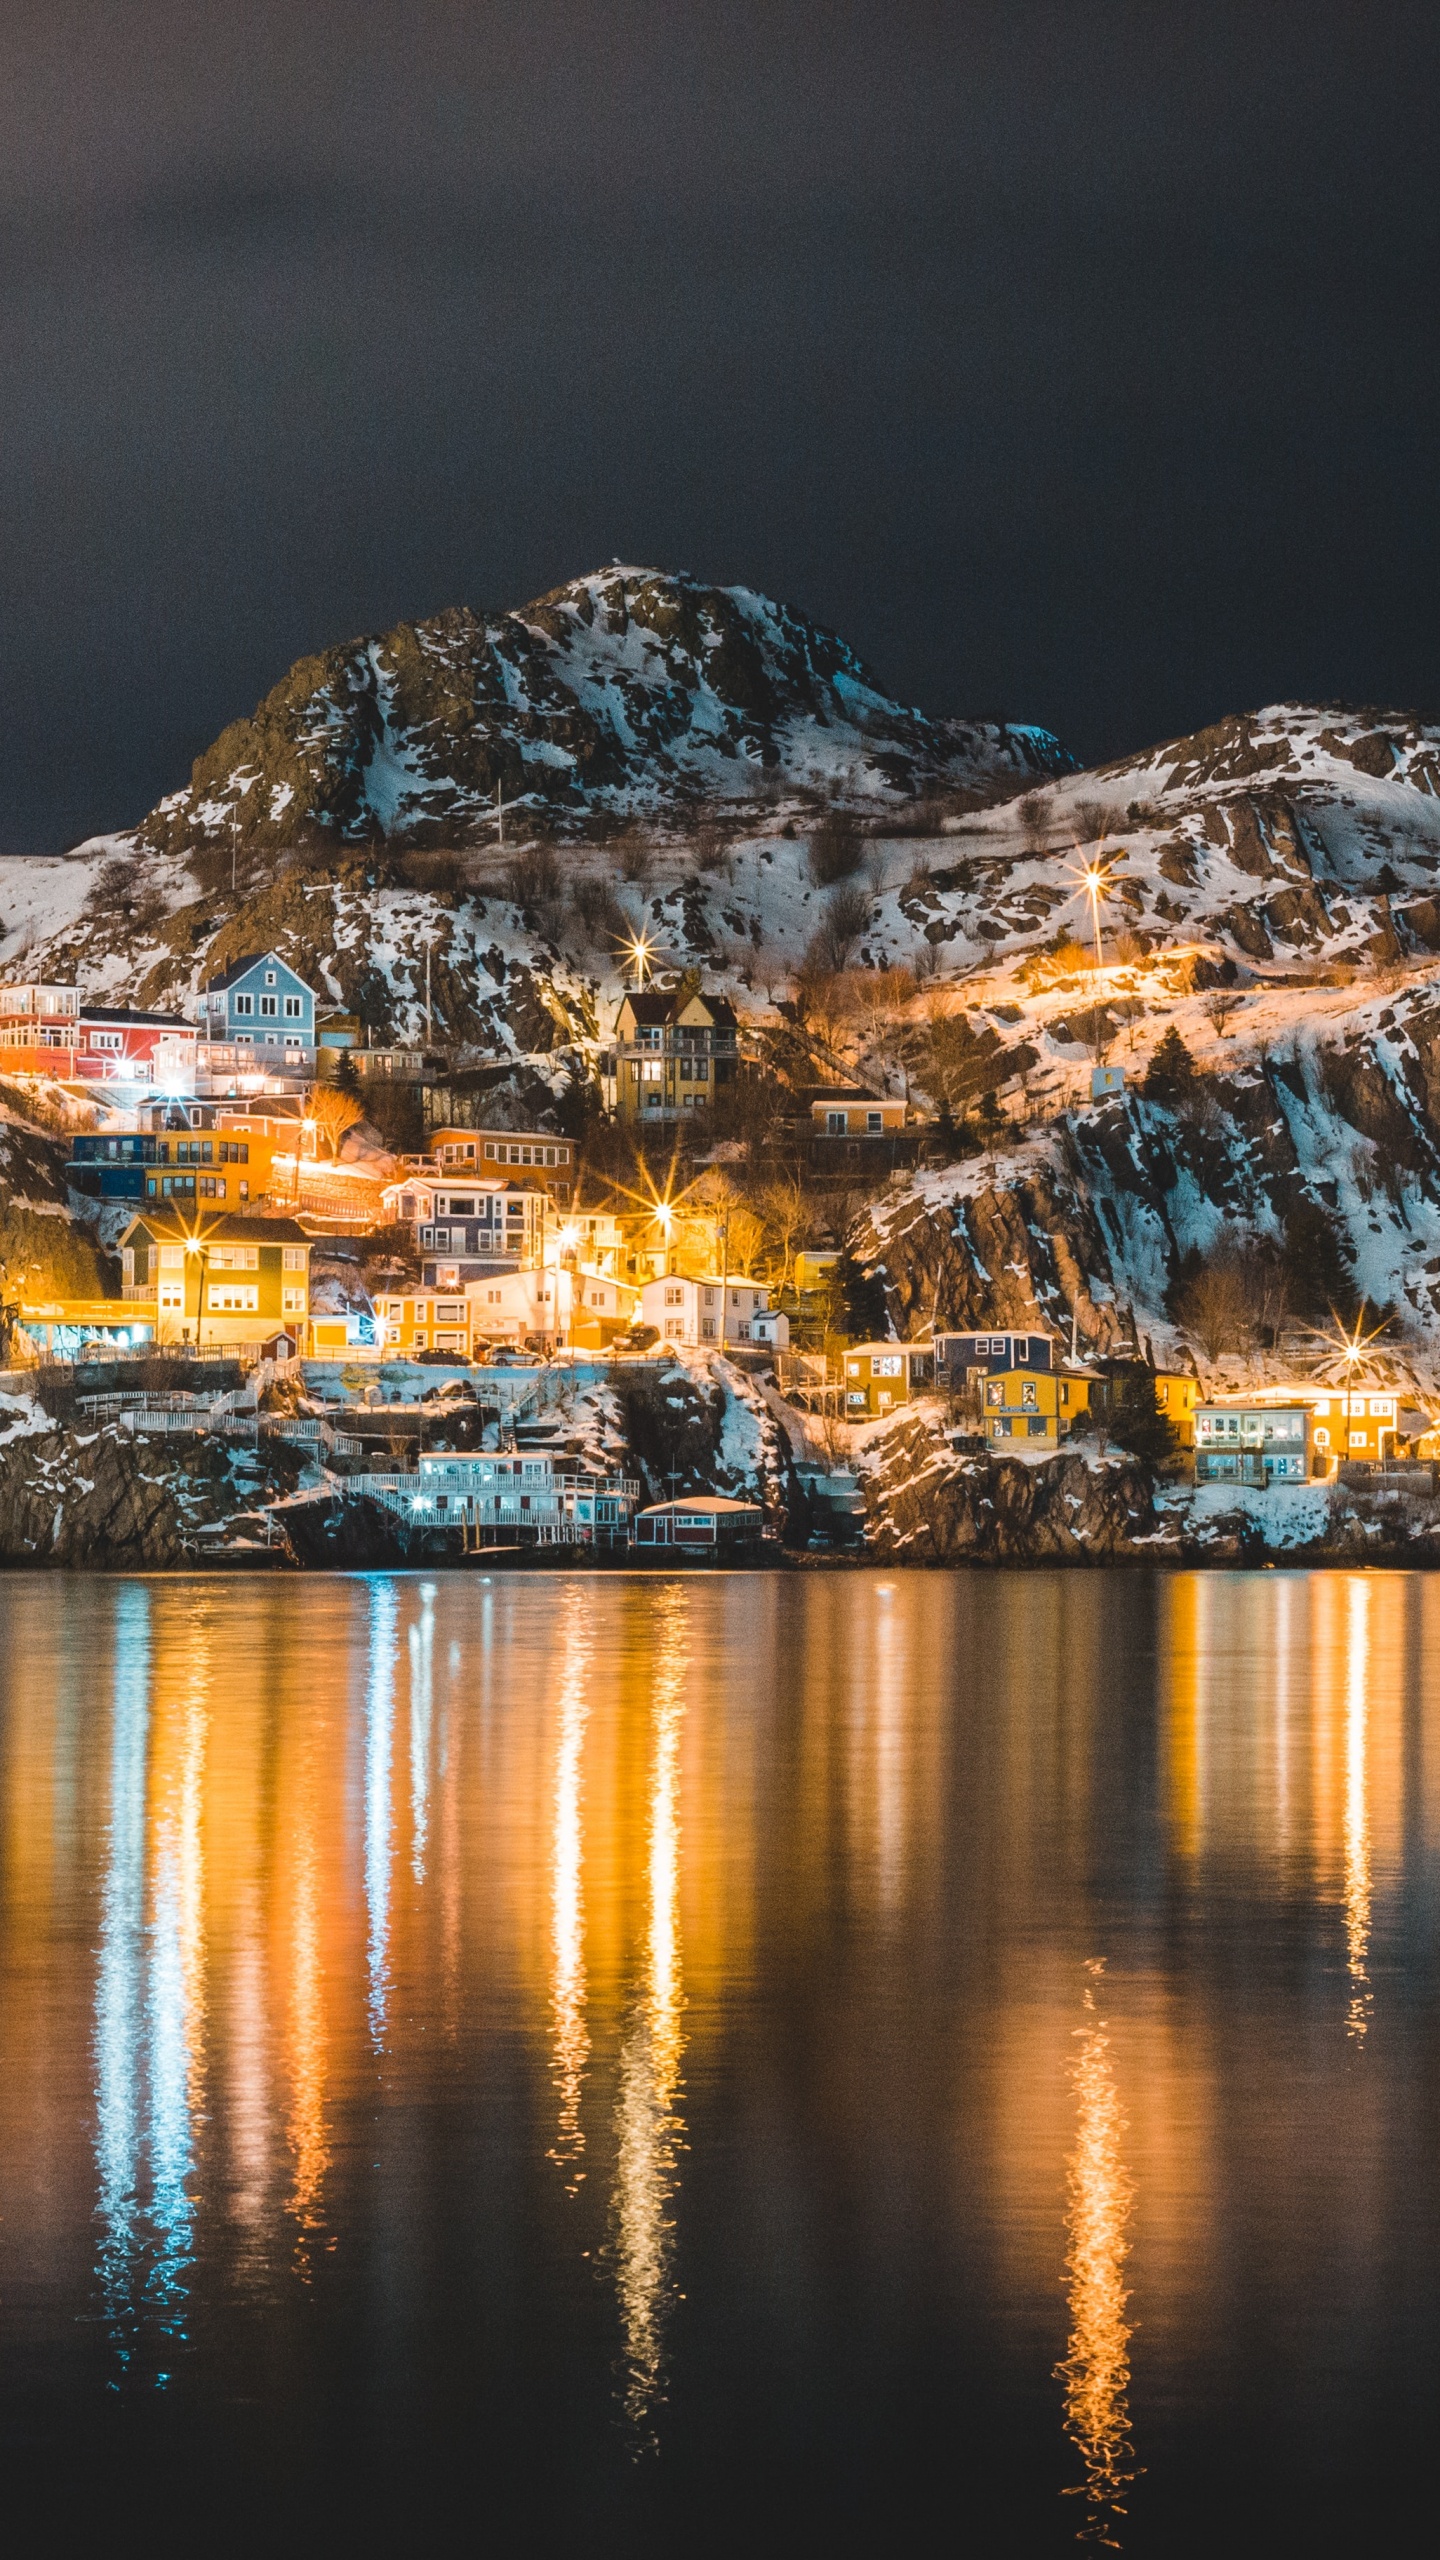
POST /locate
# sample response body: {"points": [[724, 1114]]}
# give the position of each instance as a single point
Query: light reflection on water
{"points": [[567, 1892], [648, 2127], [754, 1910], [1099, 2197]]}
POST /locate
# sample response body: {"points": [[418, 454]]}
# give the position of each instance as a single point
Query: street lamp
{"points": [[566, 1239], [193, 1244]]}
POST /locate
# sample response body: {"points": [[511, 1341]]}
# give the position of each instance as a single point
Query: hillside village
{"points": [[629, 1087]]}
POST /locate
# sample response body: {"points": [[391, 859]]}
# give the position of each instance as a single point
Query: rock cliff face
{"points": [[1333, 1133], [629, 691], [926, 1505], [105, 1498]]}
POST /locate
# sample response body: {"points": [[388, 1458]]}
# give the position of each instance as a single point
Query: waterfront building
{"points": [[879, 1376], [1033, 1405], [1254, 1444], [700, 1524], [516, 1499]]}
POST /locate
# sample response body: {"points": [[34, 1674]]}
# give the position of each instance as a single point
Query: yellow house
{"points": [[1361, 1425], [881, 1375], [228, 1279], [1177, 1397], [1033, 1404], [851, 1111]]}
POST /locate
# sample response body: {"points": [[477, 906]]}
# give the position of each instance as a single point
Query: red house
{"points": [[46, 1031]]}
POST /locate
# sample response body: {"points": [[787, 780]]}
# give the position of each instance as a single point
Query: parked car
{"points": [[451, 1391]]}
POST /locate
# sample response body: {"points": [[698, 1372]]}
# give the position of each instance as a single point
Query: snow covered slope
{"points": [[626, 692]]}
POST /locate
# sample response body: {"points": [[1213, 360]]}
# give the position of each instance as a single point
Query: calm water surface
{"points": [[747, 2062]]}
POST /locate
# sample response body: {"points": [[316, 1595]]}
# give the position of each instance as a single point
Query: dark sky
{"points": [[1078, 362]]}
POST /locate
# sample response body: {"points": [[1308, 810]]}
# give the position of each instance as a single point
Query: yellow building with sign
{"points": [[881, 1375], [1033, 1405]]}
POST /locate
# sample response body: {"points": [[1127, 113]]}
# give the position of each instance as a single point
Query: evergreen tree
{"points": [[1171, 1068], [1136, 1422], [1318, 1278], [862, 1298]]}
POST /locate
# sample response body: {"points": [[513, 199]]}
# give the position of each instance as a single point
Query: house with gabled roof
{"points": [[257, 1017], [675, 1052], [230, 1279]]}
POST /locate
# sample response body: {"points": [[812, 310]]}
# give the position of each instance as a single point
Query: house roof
{"points": [[813, 1093], [723, 1502], [864, 1350], [129, 1013], [227, 1226], [658, 1005], [241, 969]]}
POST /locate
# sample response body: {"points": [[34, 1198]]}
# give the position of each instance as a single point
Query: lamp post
{"points": [[1096, 881]]}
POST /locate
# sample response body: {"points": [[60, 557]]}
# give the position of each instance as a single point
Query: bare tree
{"points": [[847, 913], [333, 1112], [1221, 1006], [877, 865]]}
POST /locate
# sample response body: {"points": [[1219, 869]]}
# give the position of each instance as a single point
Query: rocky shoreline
{"points": [[109, 1500]]}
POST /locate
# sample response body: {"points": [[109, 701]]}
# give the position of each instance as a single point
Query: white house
{"points": [[689, 1311]]}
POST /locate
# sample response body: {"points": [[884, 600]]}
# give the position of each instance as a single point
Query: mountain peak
{"points": [[630, 692]]}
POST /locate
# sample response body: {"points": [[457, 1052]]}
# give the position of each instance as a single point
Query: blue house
{"points": [[260, 1003], [112, 1167], [992, 1352]]}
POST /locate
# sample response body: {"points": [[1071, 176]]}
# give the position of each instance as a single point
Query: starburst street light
{"points": [[1095, 880], [639, 951], [1348, 1349]]}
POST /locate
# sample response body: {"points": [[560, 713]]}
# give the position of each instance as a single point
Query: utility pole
{"points": [[428, 1033], [500, 812], [234, 834]]}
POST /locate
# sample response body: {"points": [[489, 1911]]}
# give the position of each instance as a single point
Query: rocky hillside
{"points": [[627, 693]]}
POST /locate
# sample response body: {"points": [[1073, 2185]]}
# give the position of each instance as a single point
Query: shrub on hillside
{"points": [[836, 847]]}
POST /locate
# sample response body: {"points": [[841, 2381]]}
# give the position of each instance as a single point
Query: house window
{"points": [[293, 1301], [269, 1004], [886, 1364], [1029, 1396], [232, 1297], [294, 1010], [835, 1124], [676, 1297], [269, 977], [707, 1328], [874, 1122], [293, 1257], [244, 1004]]}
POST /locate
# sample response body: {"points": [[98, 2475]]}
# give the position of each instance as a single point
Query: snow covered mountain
{"points": [[627, 693]]}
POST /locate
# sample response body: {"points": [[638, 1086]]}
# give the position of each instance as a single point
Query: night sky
{"points": [[1078, 363]]}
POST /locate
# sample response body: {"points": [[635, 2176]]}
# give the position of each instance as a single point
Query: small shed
{"points": [[701, 1524]]}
